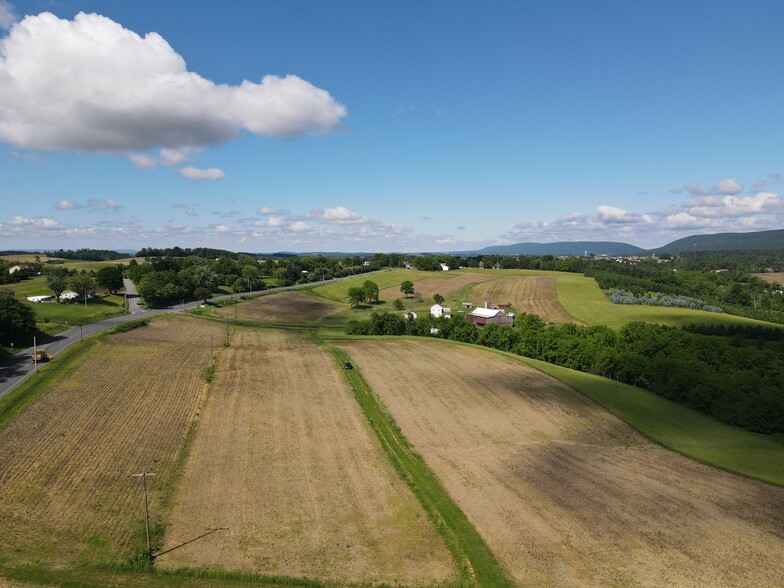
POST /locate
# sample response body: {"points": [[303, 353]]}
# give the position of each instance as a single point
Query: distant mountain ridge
{"points": [[562, 248], [718, 242], [726, 242]]}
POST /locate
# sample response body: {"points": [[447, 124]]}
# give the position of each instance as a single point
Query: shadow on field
{"points": [[183, 544]]}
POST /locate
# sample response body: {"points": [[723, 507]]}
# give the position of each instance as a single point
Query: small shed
{"points": [[409, 315], [467, 305]]}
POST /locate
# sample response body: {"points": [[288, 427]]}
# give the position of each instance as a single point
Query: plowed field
{"points": [[65, 463], [288, 308], [285, 461], [531, 294], [426, 287], [563, 492]]}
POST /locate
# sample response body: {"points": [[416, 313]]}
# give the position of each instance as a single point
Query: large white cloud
{"points": [[91, 85]]}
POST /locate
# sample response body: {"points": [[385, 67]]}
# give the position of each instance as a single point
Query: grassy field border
{"points": [[476, 562]]}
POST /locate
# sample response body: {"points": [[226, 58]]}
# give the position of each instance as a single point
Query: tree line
{"points": [[738, 383]]}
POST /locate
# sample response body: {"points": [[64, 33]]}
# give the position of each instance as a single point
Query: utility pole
{"points": [[227, 332], [35, 356], [143, 476], [212, 357]]}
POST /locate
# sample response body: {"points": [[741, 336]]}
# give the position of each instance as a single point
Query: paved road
{"points": [[132, 296], [16, 369]]}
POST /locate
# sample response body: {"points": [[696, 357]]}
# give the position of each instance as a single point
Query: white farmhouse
{"points": [[437, 310]]}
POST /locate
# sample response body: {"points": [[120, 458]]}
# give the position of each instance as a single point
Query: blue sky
{"points": [[387, 126]]}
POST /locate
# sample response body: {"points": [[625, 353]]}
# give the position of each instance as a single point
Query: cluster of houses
{"points": [[489, 314]]}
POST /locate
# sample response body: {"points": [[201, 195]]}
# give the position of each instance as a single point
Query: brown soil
{"points": [[531, 294], [564, 493], [446, 286], [287, 308], [285, 461], [66, 462]]}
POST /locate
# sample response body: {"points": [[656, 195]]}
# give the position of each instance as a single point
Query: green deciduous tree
{"points": [[356, 295], [56, 279], [83, 284], [371, 291], [17, 320], [110, 278], [407, 288]]}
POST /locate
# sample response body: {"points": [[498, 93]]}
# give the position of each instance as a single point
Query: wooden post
{"points": [[143, 476]]}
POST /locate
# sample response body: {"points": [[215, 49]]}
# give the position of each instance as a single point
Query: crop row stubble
{"points": [[65, 463]]}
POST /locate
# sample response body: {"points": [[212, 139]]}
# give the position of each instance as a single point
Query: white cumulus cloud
{"points": [[339, 215], [89, 84], [728, 187], [194, 173], [66, 205]]}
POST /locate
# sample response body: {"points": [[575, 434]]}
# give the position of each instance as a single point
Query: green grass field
{"points": [[585, 301], [338, 290], [52, 317], [679, 428]]}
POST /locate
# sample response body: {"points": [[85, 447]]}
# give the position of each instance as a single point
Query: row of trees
{"points": [[167, 280], [740, 384]]}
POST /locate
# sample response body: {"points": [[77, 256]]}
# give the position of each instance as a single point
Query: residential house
{"points": [[437, 310]]}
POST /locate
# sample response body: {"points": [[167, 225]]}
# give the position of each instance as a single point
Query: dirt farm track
{"points": [[564, 493]]}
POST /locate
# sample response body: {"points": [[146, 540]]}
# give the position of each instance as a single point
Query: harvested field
{"points": [[531, 294], [772, 277], [563, 492], [449, 286], [65, 463], [285, 460], [287, 308]]}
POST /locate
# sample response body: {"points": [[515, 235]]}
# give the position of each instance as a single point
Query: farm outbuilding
{"points": [[437, 310], [489, 316], [409, 314]]}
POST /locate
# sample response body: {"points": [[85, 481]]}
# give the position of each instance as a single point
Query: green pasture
{"points": [[585, 301], [338, 290], [678, 427], [54, 317]]}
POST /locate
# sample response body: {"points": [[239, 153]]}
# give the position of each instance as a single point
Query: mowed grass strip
{"points": [[286, 465], [114, 406], [563, 492], [678, 427], [477, 562]]}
